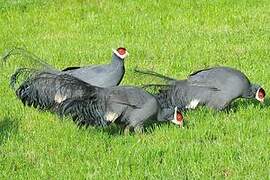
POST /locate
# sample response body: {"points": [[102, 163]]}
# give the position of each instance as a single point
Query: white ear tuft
{"points": [[175, 116]]}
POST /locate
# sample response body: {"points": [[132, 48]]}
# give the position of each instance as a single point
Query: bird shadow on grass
{"points": [[8, 127], [114, 130]]}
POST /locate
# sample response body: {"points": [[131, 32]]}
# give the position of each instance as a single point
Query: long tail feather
{"points": [[27, 55], [153, 73], [21, 74], [155, 85], [84, 111]]}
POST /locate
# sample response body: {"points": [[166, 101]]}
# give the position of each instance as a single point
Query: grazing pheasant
{"points": [[215, 87], [129, 107]]}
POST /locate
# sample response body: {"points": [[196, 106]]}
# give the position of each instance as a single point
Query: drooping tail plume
{"points": [[153, 73], [34, 59], [21, 75], [84, 111]]}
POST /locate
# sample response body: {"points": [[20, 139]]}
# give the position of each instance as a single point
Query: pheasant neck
{"points": [[116, 61]]}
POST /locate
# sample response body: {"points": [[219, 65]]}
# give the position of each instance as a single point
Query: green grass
{"points": [[172, 37]]}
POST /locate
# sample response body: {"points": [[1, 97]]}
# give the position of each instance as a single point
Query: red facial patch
{"points": [[179, 116], [121, 51], [261, 93]]}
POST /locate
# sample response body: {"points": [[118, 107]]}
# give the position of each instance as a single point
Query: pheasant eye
{"points": [[121, 51]]}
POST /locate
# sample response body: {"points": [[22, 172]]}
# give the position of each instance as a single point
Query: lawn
{"points": [[172, 37]]}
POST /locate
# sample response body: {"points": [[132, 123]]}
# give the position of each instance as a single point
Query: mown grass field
{"points": [[172, 37]]}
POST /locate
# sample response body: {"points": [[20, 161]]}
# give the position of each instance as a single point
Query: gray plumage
{"points": [[184, 95], [215, 87], [44, 90], [129, 107], [103, 75], [106, 75]]}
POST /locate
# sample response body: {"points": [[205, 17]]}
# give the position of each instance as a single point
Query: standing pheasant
{"points": [[103, 75], [106, 75]]}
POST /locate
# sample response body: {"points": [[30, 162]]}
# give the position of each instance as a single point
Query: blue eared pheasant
{"points": [[129, 107], [215, 87]]}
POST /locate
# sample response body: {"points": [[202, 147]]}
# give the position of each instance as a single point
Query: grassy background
{"points": [[173, 37]]}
